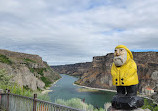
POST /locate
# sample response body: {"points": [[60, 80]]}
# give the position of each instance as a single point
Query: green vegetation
{"points": [[48, 67], [148, 104], [2, 108], [29, 60], [40, 71], [5, 83], [5, 59], [76, 83], [78, 104], [4, 79], [32, 70], [46, 81]]}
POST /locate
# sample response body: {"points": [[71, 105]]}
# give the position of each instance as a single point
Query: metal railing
{"points": [[13, 102]]}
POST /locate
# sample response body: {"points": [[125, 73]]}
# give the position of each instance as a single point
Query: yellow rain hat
{"points": [[122, 46]]}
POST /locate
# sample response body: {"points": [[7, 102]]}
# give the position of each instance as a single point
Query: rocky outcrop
{"points": [[98, 75], [27, 69]]}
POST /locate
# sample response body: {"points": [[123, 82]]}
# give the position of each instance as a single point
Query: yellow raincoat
{"points": [[126, 75]]}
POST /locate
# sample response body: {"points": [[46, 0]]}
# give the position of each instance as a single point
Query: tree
{"points": [[4, 79]]}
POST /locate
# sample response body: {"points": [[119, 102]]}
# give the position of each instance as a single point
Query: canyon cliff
{"points": [[77, 69], [27, 70], [97, 74]]}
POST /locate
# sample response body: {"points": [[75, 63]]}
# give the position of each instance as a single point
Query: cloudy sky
{"points": [[73, 31]]}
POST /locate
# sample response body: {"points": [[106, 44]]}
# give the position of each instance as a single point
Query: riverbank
{"points": [[47, 90], [95, 88]]}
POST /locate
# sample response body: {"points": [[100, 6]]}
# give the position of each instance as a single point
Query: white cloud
{"points": [[70, 31]]}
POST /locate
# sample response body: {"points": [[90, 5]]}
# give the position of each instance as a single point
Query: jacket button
{"points": [[116, 79], [122, 79], [122, 83], [116, 82]]}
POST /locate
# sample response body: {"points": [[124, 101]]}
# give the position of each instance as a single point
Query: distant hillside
{"points": [[27, 70], [97, 73], [77, 69]]}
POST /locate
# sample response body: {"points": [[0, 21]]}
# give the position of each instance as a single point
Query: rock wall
{"points": [[73, 69], [27, 69], [98, 74]]}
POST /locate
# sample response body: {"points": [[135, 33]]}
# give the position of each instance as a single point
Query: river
{"points": [[64, 89]]}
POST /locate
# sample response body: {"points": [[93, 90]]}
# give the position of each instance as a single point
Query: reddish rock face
{"points": [[98, 73]]}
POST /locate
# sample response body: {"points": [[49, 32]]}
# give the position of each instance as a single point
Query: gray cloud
{"points": [[70, 31]]}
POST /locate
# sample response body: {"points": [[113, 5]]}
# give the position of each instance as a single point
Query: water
{"points": [[64, 89]]}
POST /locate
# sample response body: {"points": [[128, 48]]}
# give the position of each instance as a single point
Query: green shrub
{"points": [[78, 104], [29, 60], [46, 81], [40, 71], [5, 59], [5, 83], [4, 79], [148, 104], [44, 97], [74, 103], [32, 70]]}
